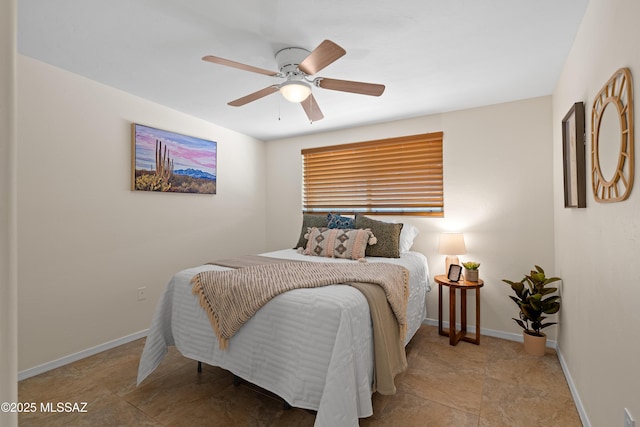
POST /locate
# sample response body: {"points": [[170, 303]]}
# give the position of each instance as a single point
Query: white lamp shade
{"points": [[295, 91], [452, 244]]}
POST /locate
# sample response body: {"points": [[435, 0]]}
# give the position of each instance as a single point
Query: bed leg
{"points": [[199, 366], [236, 380]]}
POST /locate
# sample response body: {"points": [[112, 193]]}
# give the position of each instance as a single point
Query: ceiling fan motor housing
{"points": [[289, 58]]}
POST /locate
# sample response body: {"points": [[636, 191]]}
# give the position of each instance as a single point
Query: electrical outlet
{"points": [[142, 293], [628, 419]]}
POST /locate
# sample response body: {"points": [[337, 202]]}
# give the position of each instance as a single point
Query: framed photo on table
{"points": [[455, 271]]}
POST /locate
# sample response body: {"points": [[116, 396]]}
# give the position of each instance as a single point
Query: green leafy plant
{"points": [[471, 265], [534, 299]]}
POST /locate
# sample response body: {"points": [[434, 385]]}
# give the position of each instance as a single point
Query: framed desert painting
{"points": [[171, 162]]}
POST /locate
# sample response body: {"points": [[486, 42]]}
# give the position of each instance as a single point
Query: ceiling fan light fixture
{"points": [[295, 91]]}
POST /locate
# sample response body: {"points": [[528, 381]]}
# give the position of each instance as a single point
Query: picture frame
{"points": [[573, 157], [455, 271], [169, 162]]}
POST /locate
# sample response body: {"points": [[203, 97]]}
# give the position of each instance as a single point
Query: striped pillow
{"points": [[338, 242]]}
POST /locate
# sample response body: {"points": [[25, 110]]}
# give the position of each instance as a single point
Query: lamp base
{"points": [[451, 259]]}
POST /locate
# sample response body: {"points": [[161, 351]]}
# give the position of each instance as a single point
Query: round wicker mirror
{"points": [[612, 160]]}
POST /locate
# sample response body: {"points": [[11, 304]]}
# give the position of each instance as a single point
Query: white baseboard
{"points": [[574, 391], [37, 370], [550, 343], [490, 332]]}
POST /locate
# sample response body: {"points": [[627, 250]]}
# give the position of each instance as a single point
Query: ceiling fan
{"points": [[296, 66]]}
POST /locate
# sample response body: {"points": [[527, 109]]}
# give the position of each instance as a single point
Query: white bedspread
{"points": [[312, 347]]}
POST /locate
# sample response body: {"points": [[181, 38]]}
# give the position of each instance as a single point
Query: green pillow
{"points": [[388, 235], [309, 221]]}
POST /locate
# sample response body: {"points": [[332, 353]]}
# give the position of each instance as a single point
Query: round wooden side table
{"points": [[463, 285]]}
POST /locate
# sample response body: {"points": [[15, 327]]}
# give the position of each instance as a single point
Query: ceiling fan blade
{"points": [[323, 55], [312, 109], [234, 64], [253, 96], [349, 86]]}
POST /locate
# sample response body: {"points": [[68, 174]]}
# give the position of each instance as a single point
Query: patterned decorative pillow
{"points": [[309, 220], [388, 235], [338, 242], [339, 221]]}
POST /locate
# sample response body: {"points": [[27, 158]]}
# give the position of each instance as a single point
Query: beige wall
{"points": [[498, 191], [86, 242], [8, 292], [597, 248]]}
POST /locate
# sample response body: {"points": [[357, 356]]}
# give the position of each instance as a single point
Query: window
{"points": [[399, 176]]}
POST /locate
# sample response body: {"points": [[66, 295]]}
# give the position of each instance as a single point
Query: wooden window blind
{"points": [[399, 176]]}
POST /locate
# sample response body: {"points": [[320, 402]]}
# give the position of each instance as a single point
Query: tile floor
{"points": [[494, 384]]}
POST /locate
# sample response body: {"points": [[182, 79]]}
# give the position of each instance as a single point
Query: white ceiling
{"points": [[432, 55]]}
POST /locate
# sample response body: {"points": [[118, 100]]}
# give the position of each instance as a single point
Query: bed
{"points": [[311, 347]]}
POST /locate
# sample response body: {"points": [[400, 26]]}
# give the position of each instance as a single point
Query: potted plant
{"points": [[471, 270], [533, 297]]}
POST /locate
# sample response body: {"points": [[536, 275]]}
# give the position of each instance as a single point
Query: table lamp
{"points": [[451, 245]]}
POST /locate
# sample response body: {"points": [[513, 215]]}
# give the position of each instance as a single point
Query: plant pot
{"points": [[534, 345], [470, 275]]}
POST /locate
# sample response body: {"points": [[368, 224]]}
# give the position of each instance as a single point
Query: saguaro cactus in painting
{"points": [[164, 165]]}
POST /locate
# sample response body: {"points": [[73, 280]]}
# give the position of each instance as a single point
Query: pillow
{"points": [[308, 221], [338, 242], [339, 221], [407, 235], [388, 235]]}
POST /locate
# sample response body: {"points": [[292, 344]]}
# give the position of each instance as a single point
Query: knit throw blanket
{"points": [[232, 297]]}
